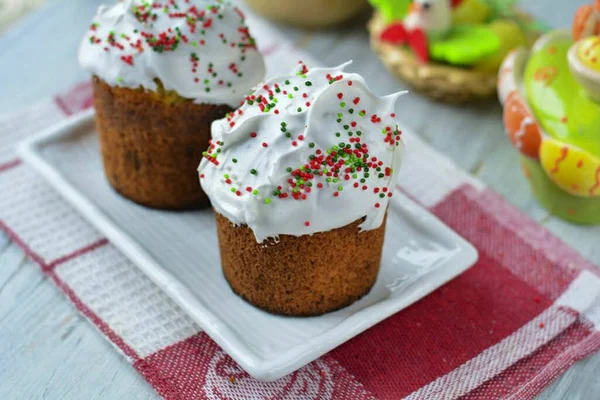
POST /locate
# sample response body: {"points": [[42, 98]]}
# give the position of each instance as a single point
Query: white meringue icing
{"points": [[200, 49], [258, 150]]}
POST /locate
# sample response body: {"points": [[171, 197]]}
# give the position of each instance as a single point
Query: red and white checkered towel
{"points": [[504, 329]]}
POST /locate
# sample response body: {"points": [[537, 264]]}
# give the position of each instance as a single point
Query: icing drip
{"points": [[200, 49], [305, 153]]}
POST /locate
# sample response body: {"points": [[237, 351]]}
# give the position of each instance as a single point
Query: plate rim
{"points": [[264, 369]]}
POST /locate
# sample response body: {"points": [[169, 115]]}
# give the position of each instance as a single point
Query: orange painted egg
{"points": [[521, 127]]}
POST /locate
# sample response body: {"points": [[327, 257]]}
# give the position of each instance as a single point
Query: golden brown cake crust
{"points": [[301, 276], [152, 144]]}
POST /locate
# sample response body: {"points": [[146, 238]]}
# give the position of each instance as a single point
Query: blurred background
{"points": [[12, 10]]}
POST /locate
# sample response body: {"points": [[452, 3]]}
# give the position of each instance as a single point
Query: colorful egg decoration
{"points": [[551, 98]]}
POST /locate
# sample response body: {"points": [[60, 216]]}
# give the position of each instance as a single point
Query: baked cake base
{"points": [[152, 144], [301, 276]]}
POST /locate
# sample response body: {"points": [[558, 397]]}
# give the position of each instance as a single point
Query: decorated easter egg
{"points": [[521, 127], [558, 101], [574, 170], [588, 51]]}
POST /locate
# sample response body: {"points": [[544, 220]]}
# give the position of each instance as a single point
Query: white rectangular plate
{"points": [[179, 252]]}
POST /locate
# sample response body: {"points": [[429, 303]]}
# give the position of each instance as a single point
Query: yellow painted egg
{"points": [[589, 52], [574, 170]]}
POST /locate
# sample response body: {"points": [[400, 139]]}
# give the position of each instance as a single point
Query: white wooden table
{"points": [[48, 351]]}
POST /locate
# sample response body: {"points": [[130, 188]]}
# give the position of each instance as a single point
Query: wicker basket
{"points": [[438, 81]]}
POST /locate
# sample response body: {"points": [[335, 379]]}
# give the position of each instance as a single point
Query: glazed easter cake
{"points": [[300, 177], [162, 73], [551, 99]]}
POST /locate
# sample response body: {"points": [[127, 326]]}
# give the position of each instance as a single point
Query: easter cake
{"points": [[162, 73], [300, 177]]}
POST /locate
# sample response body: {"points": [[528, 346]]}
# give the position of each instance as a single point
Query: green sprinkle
{"points": [[361, 113], [311, 145], [343, 104], [255, 192], [308, 83], [253, 171], [340, 188], [232, 190], [290, 96], [267, 201]]}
